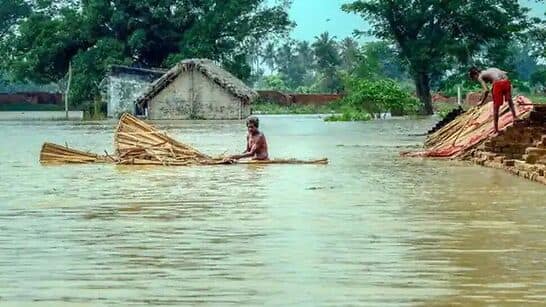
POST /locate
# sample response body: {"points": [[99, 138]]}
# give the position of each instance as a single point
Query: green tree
{"points": [[11, 11], [538, 78], [93, 34], [380, 60], [538, 39], [273, 82], [269, 54], [431, 35], [304, 61], [327, 62], [289, 65], [370, 98], [349, 53]]}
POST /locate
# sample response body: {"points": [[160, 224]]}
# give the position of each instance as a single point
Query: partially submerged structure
{"points": [[520, 147], [196, 89], [123, 84]]}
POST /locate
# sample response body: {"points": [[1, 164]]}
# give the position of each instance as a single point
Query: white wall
{"points": [[122, 94], [210, 101]]}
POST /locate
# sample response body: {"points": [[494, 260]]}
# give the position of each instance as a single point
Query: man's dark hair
{"points": [[474, 71], [253, 120]]}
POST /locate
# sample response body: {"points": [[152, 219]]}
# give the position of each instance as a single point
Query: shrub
{"points": [[378, 96]]}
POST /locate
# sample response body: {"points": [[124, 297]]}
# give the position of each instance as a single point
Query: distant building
{"points": [[123, 85], [196, 89]]}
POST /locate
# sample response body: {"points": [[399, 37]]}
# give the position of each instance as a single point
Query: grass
{"points": [[91, 116], [30, 107], [443, 108], [343, 113], [349, 117]]}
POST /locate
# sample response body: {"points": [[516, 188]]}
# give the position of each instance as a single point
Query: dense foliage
{"points": [[432, 35], [423, 45], [367, 97], [40, 38]]}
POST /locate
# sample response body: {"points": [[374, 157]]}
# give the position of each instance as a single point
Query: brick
{"points": [[537, 116], [499, 159], [489, 143], [526, 167], [532, 159], [535, 151]]}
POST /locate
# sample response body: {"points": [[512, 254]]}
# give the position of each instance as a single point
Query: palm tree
{"points": [[326, 52], [269, 56], [285, 57], [305, 53], [327, 60], [349, 53]]}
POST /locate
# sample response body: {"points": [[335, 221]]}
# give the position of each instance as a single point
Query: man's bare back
{"points": [[491, 75]]}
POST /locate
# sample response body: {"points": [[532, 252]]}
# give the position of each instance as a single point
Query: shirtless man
{"points": [[256, 145], [501, 89]]}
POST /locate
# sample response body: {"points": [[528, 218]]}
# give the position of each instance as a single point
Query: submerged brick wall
{"points": [[520, 149]]}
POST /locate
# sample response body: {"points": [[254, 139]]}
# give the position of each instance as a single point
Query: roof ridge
{"points": [[209, 69]]}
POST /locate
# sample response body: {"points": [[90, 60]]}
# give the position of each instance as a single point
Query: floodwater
{"points": [[370, 228]]}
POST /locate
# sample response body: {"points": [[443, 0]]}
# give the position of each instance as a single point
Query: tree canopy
{"points": [[92, 34], [431, 35]]}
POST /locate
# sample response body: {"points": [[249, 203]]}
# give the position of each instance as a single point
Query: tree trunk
{"points": [[422, 84]]}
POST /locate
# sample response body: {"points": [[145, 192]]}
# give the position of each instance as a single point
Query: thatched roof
{"points": [[153, 73], [208, 68]]}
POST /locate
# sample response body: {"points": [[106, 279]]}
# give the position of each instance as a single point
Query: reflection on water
{"points": [[370, 228]]}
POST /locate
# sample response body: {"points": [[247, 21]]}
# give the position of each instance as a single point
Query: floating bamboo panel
{"points": [[57, 154], [135, 139], [139, 143]]}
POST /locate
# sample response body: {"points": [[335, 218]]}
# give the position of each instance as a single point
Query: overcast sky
{"points": [[316, 16]]}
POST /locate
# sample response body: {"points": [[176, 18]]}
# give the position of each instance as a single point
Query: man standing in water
{"points": [[256, 145], [501, 89]]}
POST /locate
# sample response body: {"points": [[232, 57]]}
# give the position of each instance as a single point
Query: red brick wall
{"points": [[473, 98], [31, 98], [314, 99], [275, 96], [439, 98], [303, 99]]}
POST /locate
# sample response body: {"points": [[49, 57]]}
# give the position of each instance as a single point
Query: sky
{"points": [[316, 16]]}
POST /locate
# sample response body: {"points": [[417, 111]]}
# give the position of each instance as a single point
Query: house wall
{"points": [[194, 96], [122, 92]]}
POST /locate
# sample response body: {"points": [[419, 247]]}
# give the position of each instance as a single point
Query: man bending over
{"points": [[501, 89]]}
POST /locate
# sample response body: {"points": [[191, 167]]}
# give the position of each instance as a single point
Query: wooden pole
{"points": [[67, 89], [459, 96]]}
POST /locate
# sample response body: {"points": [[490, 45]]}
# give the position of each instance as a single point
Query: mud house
{"points": [[123, 84], [196, 89]]}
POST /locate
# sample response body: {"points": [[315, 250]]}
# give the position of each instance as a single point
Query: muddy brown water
{"points": [[370, 228]]}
